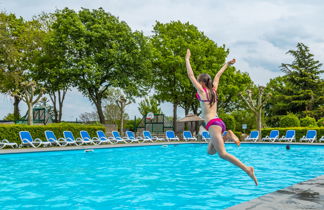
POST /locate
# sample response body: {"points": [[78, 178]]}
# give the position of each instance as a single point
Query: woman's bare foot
{"points": [[250, 172], [237, 142], [234, 138]]}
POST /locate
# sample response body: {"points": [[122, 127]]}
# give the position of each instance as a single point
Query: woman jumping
{"points": [[207, 95]]}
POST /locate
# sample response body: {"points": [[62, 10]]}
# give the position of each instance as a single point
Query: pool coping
{"points": [[106, 146], [304, 195]]}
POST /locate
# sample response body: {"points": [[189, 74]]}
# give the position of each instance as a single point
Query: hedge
{"points": [[11, 132], [308, 122], [300, 131], [289, 120]]}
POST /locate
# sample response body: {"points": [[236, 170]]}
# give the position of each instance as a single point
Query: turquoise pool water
{"points": [[151, 177]]}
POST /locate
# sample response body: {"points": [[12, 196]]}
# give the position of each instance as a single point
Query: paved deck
{"points": [[103, 146], [304, 195], [84, 147]]}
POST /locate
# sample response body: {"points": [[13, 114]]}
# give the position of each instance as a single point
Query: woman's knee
{"points": [[222, 154]]}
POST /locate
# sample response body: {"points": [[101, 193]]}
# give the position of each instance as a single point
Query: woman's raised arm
{"points": [[221, 71], [191, 74]]}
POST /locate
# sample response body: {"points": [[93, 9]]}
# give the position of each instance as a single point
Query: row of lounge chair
{"points": [[68, 139], [289, 137]]}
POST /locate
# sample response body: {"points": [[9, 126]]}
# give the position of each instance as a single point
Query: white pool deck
{"points": [[102, 146]]}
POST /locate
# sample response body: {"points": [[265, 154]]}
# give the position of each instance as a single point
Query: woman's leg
{"points": [[231, 136], [210, 149], [218, 143]]}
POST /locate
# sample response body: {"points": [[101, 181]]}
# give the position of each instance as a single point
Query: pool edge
{"points": [[107, 146], [304, 195]]}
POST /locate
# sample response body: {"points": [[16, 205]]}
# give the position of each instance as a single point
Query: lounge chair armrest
{"points": [[5, 141], [61, 139], [95, 139], [139, 137], [38, 139]]}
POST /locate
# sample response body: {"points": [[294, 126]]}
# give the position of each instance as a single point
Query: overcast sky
{"points": [[257, 32]]}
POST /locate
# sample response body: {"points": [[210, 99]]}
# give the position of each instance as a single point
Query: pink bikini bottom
{"points": [[216, 121]]}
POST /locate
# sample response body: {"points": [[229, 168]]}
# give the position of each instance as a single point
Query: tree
{"points": [[256, 105], [115, 108], [11, 31], [28, 94], [22, 45], [104, 52], [301, 90], [149, 104], [55, 67], [89, 117], [171, 83]]}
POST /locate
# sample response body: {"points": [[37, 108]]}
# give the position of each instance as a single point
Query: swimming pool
{"points": [[151, 177]]}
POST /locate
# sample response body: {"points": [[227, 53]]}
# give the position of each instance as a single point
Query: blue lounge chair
{"points": [[310, 136], [170, 136], [274, 135], [104, 139], [224, 134], [86, 139], [254, 135], [148, 137], [289, 137], [118, 138], [131, 136], [5, 143], [50, 136], [205, 136], [187, 136], [27, 139], [68, 136]]}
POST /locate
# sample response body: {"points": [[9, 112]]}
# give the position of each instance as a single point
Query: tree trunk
{"points": [[61, 100], [175, 106], [121, 128], [53, 99], [259, 122], [99, 111], [186, 123], [30, 113], [16, 108]]}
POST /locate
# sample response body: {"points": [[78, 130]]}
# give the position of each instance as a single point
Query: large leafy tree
{"points": [[104, 52], [55, 67], [301, 89], [11, 51], [171, 83], [21, 47]]}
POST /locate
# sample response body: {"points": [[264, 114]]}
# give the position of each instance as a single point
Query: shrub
{"points": [[289, 120], [229, 120], [300, 131], [320, 122], [308, 122], [11, 132]]}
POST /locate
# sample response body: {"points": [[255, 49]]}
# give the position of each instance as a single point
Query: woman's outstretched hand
{"points": [[231, 62], [188, 54]]}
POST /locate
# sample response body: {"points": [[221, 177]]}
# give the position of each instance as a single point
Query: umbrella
{"points": [[191, 118]]}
